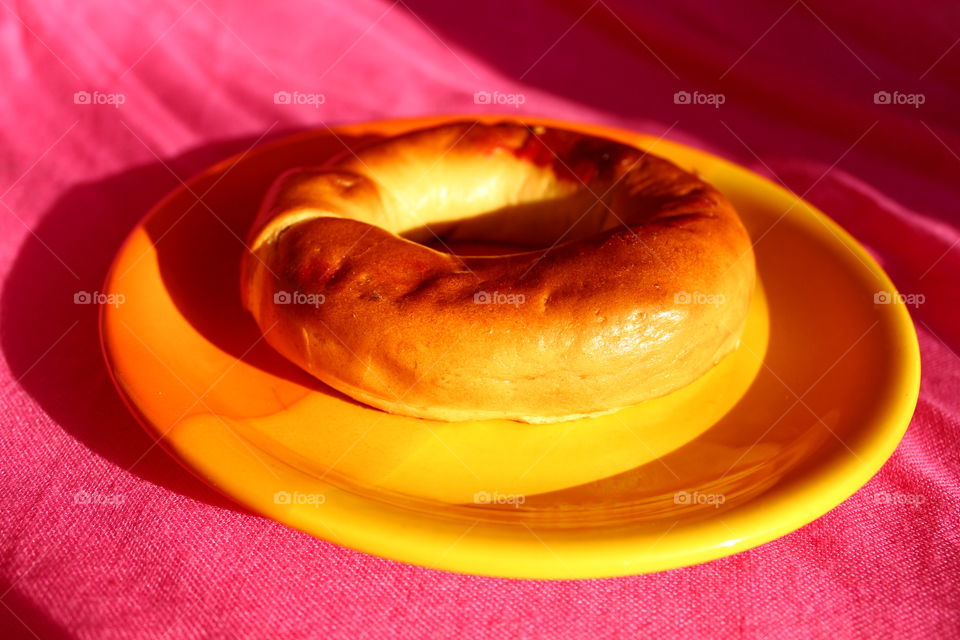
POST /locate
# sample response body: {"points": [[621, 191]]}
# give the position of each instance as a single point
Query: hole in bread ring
{"points": [[615, 276]]}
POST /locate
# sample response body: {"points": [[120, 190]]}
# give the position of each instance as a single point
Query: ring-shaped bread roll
{"points": [[628, 277]]}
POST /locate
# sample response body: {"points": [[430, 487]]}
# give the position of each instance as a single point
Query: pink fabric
{"points": [[176, 560]]}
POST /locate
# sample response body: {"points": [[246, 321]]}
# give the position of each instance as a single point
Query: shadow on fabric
{"points": [[52, 344]]}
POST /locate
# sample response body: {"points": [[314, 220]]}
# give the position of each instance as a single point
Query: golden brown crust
{"points": [[645, 295]]}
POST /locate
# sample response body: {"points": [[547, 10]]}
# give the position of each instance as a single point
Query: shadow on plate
{"points": [[200, 243]]}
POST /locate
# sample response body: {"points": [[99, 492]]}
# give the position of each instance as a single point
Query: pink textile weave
{"points": [[106, 106]]}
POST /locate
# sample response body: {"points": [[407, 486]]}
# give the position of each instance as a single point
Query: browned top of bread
{"points": [[608, 236]]}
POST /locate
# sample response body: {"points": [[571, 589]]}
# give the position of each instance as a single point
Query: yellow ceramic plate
{"points": [[779, 433]]}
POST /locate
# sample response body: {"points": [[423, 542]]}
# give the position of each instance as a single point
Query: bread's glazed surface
{"points": [[630, 277]]}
